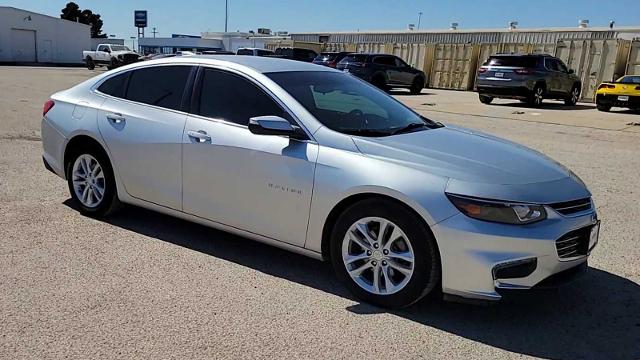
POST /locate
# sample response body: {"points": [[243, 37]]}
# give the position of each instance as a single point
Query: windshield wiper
{"points": [[366, 132], [409, 128]]}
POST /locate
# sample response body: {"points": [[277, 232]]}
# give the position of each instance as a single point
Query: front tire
{"points": [[485, 99], [572, 100], [417, 86], [91, 182], [385, 253], [380, 82]]}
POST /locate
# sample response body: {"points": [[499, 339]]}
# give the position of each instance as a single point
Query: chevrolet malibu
{"points": [[320, 163]]}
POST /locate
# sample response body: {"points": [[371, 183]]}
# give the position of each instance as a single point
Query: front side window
{"points": [[159, 86], [561, 66], [103, 48], [348, 105], [232, 98]]}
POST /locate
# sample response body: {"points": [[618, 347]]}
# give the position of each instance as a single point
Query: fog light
{"points": [[515, 269]]}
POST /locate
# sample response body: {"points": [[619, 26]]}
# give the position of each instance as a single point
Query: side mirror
{"points": [[571, 71], [275, 125]]}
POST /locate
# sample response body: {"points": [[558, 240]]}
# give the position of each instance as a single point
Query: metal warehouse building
{"points": [[28, 37], [450, 58]]}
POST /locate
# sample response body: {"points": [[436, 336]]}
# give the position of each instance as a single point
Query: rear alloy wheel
{"points": [[384, 254], [417, 86], [485, 99], [603, 107], [573, 97], [537, 96], [92, 184]]}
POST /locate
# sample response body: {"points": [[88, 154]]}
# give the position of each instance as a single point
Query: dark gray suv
{"points": [[384, 71], [528, 78]]}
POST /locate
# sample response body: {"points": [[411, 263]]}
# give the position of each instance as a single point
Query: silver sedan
{"points": [[318, 162]]}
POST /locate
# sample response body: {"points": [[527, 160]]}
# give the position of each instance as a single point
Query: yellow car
{"points": [[625, 92]]}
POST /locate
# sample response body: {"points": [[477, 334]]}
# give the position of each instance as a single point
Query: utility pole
{"points": [[226, 14], [154, 32], [419, 18]]}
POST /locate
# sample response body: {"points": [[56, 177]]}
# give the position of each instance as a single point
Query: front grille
{"points": [[130, 58], [572, 207], [574, 243]]}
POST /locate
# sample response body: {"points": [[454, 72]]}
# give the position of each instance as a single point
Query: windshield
{"points": [[629, 80], [119, 48], [348, 105]]}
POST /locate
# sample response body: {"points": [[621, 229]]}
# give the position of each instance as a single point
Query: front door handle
{"points": [[200, 135], [115, 118]]}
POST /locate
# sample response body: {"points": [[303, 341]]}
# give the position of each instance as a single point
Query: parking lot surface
{"points": [[144, 285]]}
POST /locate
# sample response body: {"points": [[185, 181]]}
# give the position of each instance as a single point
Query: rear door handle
{"points": [[200, 135], [115, 118]]}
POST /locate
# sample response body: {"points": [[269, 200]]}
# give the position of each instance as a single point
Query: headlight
{"points": [[498, 211]]}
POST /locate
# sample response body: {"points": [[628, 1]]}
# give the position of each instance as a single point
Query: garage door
{"points": [[23, 45]]}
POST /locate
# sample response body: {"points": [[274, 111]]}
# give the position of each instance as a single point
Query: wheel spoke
{"points": [[364, 230], [353, 258], [388, 284], [395, 236], [376, 279], [406, 256], [359, 270], [85, 194], [397, 267], [363, 244], [384, 224]]}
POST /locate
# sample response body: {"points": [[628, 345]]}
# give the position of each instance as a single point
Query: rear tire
{"points": [[90, 64], [417, 86], [574, 95], [400, 283], [603, 107], [91, 182], [485, 99], [537, 96]]}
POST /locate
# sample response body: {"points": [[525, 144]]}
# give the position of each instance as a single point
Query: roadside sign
{"points": [[140, 18]]}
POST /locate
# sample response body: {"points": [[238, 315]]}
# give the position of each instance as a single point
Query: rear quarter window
{"points": [[115, 86]]}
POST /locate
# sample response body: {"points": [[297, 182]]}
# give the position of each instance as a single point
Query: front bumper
{"points": [[472, 251]]}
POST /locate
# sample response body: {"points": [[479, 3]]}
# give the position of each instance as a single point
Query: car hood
{"points": [[478, 164], [465, 154]]}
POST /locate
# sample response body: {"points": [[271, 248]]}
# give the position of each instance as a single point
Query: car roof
{"points": [[522, 55], [257, 63]]}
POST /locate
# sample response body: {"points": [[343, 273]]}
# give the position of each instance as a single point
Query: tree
{"points": [[72, 12]]}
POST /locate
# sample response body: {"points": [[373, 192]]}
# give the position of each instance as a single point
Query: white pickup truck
{"points": [[109, 55]]}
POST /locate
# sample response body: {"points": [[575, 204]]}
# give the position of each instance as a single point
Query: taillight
{"points": [[637, 87], [482, 70], [331, 64], [606, 86], [47, 106], [522, 71]]}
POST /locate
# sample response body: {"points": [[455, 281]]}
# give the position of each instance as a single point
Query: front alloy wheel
{"points": [[378, 256], [385, 253], [573, 97]]}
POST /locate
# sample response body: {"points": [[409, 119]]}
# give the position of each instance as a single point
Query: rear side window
{"points": [[115, 86], [354, 58], [245, 52], [264, 52], [229, 97], [385, 60], [159, 86], [512, 61]]}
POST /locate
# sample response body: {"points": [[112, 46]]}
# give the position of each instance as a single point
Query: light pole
{"points": [[419, 18], [226, 14]]}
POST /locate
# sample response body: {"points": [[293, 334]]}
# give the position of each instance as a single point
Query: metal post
{"points": [[226, 14], [419, 18]]}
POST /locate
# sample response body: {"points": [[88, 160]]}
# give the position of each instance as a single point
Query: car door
{"points": [[566, 82], [554, 77], [143, 130], [388, 65], [406, 73], [103, 53], [257, 183]]}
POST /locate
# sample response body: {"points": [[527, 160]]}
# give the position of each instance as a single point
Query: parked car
{"points": [[330, 59], [529, 78], [325, 165], [217, 52], [384, 71], [624, 92], [109, 55], [254, 52], [300, 54]]}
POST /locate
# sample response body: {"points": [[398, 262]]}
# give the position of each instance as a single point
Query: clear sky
{"points": [[196, 16]]}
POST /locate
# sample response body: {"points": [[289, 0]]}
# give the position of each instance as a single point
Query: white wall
{"points": [[233, 44], [56, 40]]}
